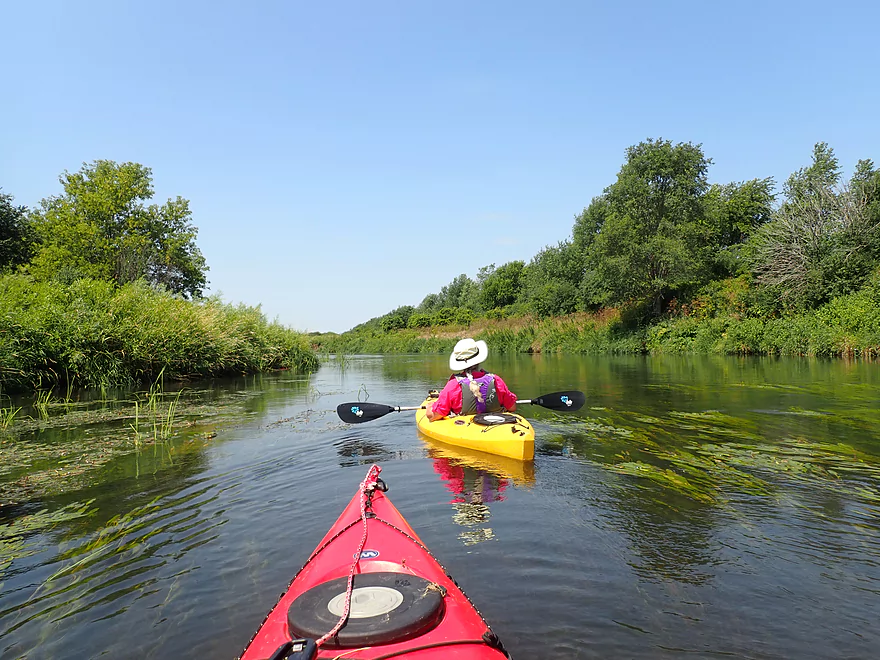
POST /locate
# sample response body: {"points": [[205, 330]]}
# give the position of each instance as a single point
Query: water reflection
{"points": [[355, 448], [476, 480], [473, 490], [695, 506]]}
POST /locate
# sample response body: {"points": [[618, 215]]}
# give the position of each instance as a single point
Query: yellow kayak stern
{"points": [[511, 439]]}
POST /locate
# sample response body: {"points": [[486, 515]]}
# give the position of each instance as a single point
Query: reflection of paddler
{"points": [[517, 472], [470, 485]]}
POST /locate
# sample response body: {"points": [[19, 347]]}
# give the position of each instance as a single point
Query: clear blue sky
{"points": [[345, 158]]}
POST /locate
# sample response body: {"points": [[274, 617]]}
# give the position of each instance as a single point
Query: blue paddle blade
{"points": [[562, 401], [361, 411]]}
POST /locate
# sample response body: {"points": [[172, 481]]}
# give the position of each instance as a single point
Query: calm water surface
{"points": [[696, 507]]}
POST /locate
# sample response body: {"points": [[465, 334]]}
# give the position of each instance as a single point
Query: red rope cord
{"points": [[367, 485]]}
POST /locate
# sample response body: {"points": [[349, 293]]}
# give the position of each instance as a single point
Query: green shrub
{"points": [[94, 334], [419, 320]]}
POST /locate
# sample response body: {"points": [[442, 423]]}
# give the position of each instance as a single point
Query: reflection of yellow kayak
{"points": [[515, 440], [519, 472]]}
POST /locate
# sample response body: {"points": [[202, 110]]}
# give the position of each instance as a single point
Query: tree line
{"points": [[661, 234], [102, 227], [100, 286]]}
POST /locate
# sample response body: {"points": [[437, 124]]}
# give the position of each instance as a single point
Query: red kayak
{"points": [[372, 590]]}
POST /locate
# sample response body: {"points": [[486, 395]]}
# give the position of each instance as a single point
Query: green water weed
{"points": [[42, 399]]}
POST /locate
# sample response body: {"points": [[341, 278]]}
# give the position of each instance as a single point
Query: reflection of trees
{"points": [[355, 449], [426, 370]]}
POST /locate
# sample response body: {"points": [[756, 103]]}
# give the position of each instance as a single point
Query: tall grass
{"points": [[103, 336]]}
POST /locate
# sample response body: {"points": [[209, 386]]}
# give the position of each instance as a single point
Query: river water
{"points": [[697, 507]]}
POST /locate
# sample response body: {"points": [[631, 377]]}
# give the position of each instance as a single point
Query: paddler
{"points": [[471, 389]]}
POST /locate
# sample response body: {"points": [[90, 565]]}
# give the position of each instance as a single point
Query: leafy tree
{"points": [[653, 239], [470, 297], [100, 227], [391, 322], [551, 281], [502, 286], [430, 303], [397, 318], [824, 240], [733, 212], [587, 225], [822, 174], [455, 293], [17, 236]]}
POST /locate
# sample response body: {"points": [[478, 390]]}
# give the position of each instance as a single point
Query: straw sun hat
{"points": [[468, 353]]}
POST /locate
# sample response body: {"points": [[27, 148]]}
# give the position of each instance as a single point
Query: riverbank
{"points": [[93, 334], [847, 327]]}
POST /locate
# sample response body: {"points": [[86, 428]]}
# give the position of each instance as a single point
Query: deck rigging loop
{"points": [[368, 486]]}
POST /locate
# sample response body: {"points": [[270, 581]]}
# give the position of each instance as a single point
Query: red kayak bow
{"points": [[371, 590]]}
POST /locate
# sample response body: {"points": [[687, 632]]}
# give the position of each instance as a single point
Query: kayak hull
{"points": [[392, 553], [513, 440]]}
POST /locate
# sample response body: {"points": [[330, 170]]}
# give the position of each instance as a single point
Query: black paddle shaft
{"points": [[358, 412], [563, 401]]}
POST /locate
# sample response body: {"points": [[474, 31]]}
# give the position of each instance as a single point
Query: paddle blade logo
{"points": [[566, 401], [356, 410], [367, 554]]}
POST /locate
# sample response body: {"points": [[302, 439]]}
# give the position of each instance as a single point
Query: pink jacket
{"points": [[450, 396]]}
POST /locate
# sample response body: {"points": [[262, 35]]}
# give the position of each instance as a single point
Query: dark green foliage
{"points": [[430, 303], [551, 281], [464, 316], [444, 316], [653, 241], [17, 236], [733, 212], [397, 319], [589, 223], [502, 285], [420, 320], [101, 228], [824, 240]]}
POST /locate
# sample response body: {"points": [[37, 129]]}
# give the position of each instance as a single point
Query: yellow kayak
{"points": [[514, 439]]}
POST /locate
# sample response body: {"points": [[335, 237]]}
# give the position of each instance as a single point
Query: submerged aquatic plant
{"points": [[154, 393], [41, 403], [167, 424], [14, 543], [7, 416], [136, 425]]}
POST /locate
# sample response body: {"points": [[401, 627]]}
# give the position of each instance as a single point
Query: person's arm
{"points": [[505, 397], [443, 404]]}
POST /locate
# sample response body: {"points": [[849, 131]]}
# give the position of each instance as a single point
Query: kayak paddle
{"points": [[571, 400], [358, 412], [362, 411]]}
